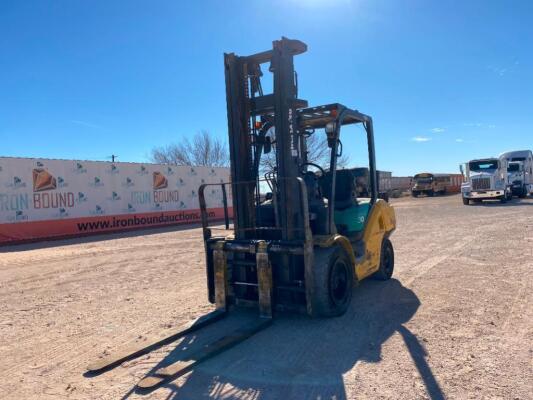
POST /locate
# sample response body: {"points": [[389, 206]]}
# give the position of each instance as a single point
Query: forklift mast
{"points": [[250, 114]]}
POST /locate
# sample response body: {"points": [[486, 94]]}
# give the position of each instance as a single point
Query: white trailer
{"points": [[520, 171]]}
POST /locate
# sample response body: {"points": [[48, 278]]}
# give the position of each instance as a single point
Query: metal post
{"points": [[371, 160]]}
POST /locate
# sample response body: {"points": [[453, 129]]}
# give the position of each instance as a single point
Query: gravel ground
{"points": [[455, 322]]}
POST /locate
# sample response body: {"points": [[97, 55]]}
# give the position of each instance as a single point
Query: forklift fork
{"points": [[182, 366]]}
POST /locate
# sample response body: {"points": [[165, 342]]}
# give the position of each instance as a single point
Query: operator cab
{"points": [[340, 188]]}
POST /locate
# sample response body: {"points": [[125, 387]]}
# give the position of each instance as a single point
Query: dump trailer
{"points": [[300, 237]]}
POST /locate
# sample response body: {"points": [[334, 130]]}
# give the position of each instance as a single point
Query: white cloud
{"points": [[86, 124], [479, 125], [459, 140], [500, 71], [420, 139], [438, 130]]}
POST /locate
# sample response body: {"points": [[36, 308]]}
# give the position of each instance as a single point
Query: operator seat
{"points": [[350, 213], [345, 194]]}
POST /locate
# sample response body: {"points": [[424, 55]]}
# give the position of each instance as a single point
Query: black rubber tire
{"points": [[414, 194], [431, 193], [523, 193], [503, 199], [333, 282], [386, 264], [466, 201]]}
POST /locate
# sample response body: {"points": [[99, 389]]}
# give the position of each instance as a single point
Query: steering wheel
{"points": [[312, 165]]}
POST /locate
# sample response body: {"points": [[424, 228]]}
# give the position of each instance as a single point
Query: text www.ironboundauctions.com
{"points": [[134, 220]]}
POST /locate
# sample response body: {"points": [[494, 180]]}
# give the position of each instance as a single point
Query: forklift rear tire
{"points": [[333, 282], [386, 264]]}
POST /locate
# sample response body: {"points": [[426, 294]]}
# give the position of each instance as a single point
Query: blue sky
{"points": [[445, 81]]}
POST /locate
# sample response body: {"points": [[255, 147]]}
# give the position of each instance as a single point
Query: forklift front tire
{"points": [[466, 201], [333, 282], [386, 264]]}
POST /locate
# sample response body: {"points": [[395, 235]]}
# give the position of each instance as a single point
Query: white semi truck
{"points": [[520, 171], [485, 179]]}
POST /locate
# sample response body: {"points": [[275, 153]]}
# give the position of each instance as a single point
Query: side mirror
{"points": [[268, 196]]}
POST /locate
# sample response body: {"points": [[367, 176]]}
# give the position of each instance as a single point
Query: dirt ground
{"points": [[455, 322]]}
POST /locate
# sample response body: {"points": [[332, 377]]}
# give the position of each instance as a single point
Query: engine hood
{"points": [[474, 174]]}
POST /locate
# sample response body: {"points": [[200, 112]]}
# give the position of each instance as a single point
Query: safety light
{"points": [[330, 128]]}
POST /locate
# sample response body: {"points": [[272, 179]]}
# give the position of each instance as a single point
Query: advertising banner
{"points": [[41, 198]]}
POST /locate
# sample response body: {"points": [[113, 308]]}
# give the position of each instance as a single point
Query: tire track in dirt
{"points": [[62, 352], [455, 249], [427, 265]]}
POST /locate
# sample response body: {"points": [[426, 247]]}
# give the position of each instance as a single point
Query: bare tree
{"points": [[204, 150], [318, 153]]}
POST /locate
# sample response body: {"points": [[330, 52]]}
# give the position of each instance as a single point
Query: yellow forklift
{"points": [[300, 237]]}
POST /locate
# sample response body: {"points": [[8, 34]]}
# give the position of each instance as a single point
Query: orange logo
{"points": [[43, 180], [160, 181]]}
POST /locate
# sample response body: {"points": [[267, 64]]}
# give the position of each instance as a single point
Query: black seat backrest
{"points": [[344, 188]]}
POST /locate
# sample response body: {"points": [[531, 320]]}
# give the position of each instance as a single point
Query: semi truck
{"points": [[520, 171], [485, 179]]}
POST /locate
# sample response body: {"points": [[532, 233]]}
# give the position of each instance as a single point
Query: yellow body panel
{"points": [[380, 223]]}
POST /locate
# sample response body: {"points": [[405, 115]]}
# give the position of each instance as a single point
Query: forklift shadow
{"points": [[299, 357]]}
